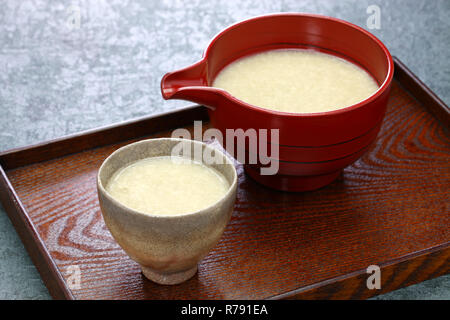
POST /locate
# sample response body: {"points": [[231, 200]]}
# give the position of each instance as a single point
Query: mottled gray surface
{"points": [[58, 79]]}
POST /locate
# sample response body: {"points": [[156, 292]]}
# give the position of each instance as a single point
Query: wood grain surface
{"points": [[390, 208]]}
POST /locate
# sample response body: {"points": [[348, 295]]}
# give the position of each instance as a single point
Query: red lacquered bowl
{"points": [[314, 147]]}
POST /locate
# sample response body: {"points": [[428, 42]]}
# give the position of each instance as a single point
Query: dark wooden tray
{"points": [[390, 208]]}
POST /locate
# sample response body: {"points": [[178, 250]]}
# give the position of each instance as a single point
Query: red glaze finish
{"points": [[308, 137], [323, 153], [297, 168], [292, 183]]}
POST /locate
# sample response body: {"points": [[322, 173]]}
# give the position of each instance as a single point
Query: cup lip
{"points": [[102, 189], [382, 88]]}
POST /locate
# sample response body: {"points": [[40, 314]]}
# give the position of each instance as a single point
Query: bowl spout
{"points": [[191, 84]]}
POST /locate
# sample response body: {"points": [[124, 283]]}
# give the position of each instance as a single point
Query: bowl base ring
{"points": [[168, 278], [292, 183]]}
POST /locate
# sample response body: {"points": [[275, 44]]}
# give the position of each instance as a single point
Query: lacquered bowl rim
{"points": [[383, 87]]}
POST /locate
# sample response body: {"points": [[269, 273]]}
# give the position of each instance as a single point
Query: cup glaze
{"points": [[327, 141], [167, 247]]}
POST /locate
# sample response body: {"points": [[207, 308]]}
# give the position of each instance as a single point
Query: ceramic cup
{"points": [[167, 247]]}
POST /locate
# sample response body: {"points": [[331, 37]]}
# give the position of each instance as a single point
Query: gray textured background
{"points": [[56, 80]]}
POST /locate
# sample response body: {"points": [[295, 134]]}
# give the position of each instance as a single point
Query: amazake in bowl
{"points": [[314, 147]]}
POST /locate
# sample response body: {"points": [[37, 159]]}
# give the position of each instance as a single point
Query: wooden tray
{"points": [[390, 208]]}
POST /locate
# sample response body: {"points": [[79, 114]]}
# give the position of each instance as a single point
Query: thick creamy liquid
{"points": [[167, 186], [296, 80]]}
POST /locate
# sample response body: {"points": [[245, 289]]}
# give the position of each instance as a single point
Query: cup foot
{"points": [[292, 183], [168, 278]]}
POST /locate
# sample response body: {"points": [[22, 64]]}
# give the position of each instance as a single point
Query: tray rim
{"points": [[105, 135]]}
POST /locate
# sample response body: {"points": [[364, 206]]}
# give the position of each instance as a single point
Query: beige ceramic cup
{"points": [[168, 248]]}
